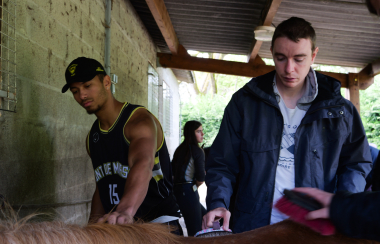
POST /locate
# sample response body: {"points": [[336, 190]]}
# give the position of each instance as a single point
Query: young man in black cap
{"points": [[128, 152]]}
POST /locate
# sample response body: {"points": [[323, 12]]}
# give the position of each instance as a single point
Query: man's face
{"points": [[292, 61], [91, 95]]}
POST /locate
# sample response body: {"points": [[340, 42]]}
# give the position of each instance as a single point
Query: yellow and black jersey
{"points": [[109, 154]]}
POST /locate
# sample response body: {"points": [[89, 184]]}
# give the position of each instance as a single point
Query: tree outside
{"points": [[206, 100]]}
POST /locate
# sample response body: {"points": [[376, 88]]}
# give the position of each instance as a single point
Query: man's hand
{"points": [[321, 196], [117, 218], [215, 215]]}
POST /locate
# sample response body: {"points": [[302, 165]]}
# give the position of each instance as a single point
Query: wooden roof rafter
{"points": [[367, 74], [180, 59], [162, 18], [253, 69], [266, 20]]}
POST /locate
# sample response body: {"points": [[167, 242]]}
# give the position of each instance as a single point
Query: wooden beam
{"points": [[255, 50], [254, 69], [267, 16], [161, 15], [367, 74], [212, 65], [353, 87], [343, 78], [257, 61]]}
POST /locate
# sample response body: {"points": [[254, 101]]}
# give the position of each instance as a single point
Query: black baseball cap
{"points": [[82, 69]]}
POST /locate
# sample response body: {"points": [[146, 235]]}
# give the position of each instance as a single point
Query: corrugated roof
{"points": [[220, 26], [347, 34]]}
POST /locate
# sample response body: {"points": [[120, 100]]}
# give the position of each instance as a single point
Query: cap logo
{"points": [[96, 137], [99, 69], [72, 69]]}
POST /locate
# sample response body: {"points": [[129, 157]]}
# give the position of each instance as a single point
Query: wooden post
{"points": [[1, 47], [353, 86]]}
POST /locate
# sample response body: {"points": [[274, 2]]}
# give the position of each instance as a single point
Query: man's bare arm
{"points": [[97, 210], [141, 131]]}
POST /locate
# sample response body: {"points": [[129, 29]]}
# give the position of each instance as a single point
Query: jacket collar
{"points": [[262, 87], [310, 92]]}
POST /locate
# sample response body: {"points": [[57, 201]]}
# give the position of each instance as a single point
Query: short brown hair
{"points": [[295, 28], [101, 77], [370, 8]]}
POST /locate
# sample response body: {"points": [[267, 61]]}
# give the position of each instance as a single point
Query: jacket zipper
{"points": [[282, 131], [278, 159]]}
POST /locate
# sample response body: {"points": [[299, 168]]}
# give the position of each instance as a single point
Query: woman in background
{"points": [[189, 173]]}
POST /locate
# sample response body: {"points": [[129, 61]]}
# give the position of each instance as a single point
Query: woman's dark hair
{"points": [[189, 132], [189, 139]]}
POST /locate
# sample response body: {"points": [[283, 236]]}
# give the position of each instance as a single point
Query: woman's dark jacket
{"points": [[357, 215], [181, 162]]}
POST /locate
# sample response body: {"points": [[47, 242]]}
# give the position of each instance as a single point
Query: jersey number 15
{"points": [[114, 197]]}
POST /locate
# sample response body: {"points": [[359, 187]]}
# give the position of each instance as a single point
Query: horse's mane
{"points": [[29, 231], [25, 230]]}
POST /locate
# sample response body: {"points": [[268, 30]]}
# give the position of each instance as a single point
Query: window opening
{"points": [[8, 90], [168, 110], [152, 91]]}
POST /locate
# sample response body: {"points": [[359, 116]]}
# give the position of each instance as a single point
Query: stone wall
{"points": [[43, 159]]}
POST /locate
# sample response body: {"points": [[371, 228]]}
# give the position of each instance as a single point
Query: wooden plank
{"points": [[367, 74], [212, 65], [353, 86], [343, 78], [266, 20], [255, 50], [161, 15], [1, 38], [253, 69], [258, 61]]}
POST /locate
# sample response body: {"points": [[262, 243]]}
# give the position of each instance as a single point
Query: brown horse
{"points": [[24, 231]]}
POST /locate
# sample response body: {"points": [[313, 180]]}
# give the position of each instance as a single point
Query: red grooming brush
{"points": [[296, 205]]}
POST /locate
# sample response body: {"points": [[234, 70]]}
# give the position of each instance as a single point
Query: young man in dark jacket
{"points": [[356, 215], [288, 128]]}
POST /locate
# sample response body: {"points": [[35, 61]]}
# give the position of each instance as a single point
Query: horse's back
{"points": [[285, 232]]}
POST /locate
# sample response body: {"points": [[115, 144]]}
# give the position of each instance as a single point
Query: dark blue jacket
{"points": [[357, 215], [331, 150], [374, 155]]}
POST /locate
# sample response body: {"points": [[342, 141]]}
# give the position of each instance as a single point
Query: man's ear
{"points": [[271, 50], [107, 82], [314, 54]]}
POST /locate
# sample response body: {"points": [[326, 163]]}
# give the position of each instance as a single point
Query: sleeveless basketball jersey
{"points": [[109, 154]]}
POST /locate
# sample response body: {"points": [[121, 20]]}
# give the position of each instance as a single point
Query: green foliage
{"points": [[370, 111], [209, 109]]}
